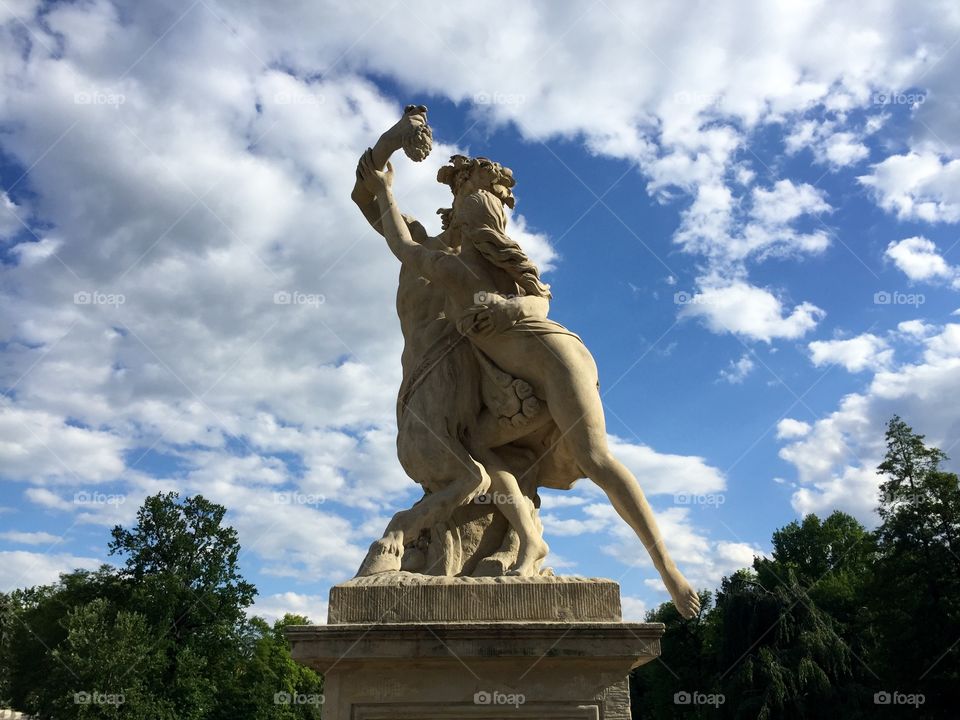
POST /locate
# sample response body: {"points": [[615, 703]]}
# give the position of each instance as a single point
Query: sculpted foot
{"points": [[384, 555], [529, 557], [685, 598]]}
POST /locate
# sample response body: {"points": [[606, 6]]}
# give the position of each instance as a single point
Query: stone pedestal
{"points": [[537, 648]]}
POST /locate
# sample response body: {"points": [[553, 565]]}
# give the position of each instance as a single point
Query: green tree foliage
{"points": [[165, 637], [835, 616], [916, 586], [181, 563]]}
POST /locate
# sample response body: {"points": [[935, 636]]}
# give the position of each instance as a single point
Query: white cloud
{"points": [[919, 260], [736, 372], [835, 462], [752, 312], [789, 428], [19, 568], [30, 538], [10, 217], [917, 186], [856, 354], [39, 444], [916, 329], [703, 560], [665, 473], [274, 607], [633, 609], [830, 146]]}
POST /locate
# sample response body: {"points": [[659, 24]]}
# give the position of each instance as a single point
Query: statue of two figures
{"points": [[497, 400]]}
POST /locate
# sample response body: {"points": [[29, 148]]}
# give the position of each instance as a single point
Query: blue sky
{"points": [[750, 218]]}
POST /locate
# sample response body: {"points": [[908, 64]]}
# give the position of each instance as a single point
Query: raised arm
{"points": [[393, 227], [412, 133]]}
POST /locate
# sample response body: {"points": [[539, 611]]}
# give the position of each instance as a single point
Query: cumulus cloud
{"points": [[19, 567], [753, 312], [867, 351], [30, 538], [836, 460], [736, 372], [789, 428], [917, 186], [273, 607], [919, 260]]}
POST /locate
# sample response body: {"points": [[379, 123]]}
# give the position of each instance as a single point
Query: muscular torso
{"points": [[420, 308]]}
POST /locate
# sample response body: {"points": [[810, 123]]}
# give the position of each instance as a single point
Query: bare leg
{"points": [[386, 553], [517, 509], [571, 393]]}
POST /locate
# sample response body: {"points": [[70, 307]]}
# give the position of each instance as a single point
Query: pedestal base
{"points": [[535, 670], [402, 646]]}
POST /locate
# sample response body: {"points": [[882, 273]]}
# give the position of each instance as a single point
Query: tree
{"points": [[916, 589], [35, 625], [686, 665], [105, 666], [181, 565], [270, 684]]}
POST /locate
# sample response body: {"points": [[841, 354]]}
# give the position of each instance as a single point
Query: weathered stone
{"points": [[416, 671], [408, 597]]}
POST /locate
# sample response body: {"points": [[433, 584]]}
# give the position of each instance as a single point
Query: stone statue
{"points": [[497, 399]]}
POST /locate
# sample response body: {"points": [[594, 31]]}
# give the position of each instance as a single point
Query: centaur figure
{"points": [[493, 297]]}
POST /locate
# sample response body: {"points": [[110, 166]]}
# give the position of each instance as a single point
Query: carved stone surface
{"points": [[408, 597], [497, 399], [486, 671]]}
